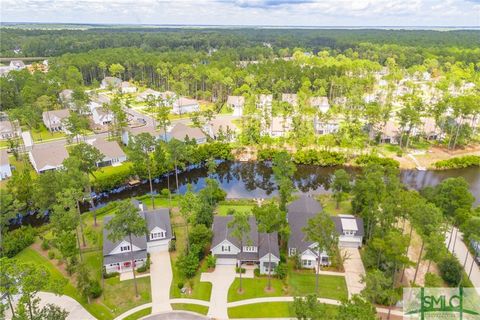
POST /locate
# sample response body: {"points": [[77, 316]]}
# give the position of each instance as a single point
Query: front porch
{"points": [[124, 266]]}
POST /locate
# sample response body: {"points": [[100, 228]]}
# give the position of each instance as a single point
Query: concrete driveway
{"points": [[354, 270], [221, 279], [160, 281]]}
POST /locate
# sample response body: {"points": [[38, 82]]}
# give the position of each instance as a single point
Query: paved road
{"points": [[459, 249], [354, 270], [221, 279], [160, 281]]}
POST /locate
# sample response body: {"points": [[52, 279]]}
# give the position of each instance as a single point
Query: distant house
{"points": [[264, 102], [66, 97], [8, 130], [148, 93], [299, 212], [349, 229], [280, 126], [97, 101], [101, 116], [127, 87], [17, 65], [428, 129], [117, 255], [130, 133], [258, 248], [221, 128], [237, 103], [111, 82], [5, 170], [325, 126], [290, 98], [320, 103], [390, 133], [182, 132], [113, 154], [185, 105], [44, 158], [54, 120]]}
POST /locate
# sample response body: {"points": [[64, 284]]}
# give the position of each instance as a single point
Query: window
{"points": [[307, 263], [349, 232], [250, 249], [157, 235], [225, 248], [125, 248], [273, 266], [292, 251]]}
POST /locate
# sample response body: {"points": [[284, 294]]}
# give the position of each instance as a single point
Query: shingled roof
{"points": [[299, 212]]}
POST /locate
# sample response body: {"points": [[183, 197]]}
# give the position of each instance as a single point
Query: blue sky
{"points": [[248, 12]]}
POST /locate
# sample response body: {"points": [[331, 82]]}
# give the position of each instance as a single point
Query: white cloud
{"points": [[248, 12]]}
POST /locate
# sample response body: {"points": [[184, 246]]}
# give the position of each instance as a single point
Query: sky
{"points": [[247, 12]]}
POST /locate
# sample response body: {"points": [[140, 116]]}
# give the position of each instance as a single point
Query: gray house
{"points": [[349, 228], [117, 256], [258, 248]]}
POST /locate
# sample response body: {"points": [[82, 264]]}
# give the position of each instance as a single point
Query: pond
{"points": [[255, 180]]}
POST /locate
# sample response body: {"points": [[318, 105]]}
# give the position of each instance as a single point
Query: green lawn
{"points": [[190, 307], [119, 296], [222, 209], [139, 314], [42, 134], [330, 206], [332, 287], [270, 310], [255, 288]]}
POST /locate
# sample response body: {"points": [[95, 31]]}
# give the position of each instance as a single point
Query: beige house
{"points": [[44, 158], [54, 120], [113, 154]]}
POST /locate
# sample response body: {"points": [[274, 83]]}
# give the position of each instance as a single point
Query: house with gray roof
{"points": [[9, 130], [44, 158], [237, 103], [113, 155], [183, 132], [349, 229], [185, 105], [5, 170], [116, 254], [258, 248], [55, 120], [110, 82]]}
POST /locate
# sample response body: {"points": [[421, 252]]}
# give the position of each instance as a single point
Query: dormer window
{"points": [[349, 232], [249, 249], [125, 248], [157, 235], [225, 248]]}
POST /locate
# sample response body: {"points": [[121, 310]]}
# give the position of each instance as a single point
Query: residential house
{"points": [[390, 133], [237, 103], [44, 158], [117, 255], [5, 170], [98, 101], [280, 126], [221, 129], [264, 102], [113, 154], [127, 87], [320, 103], [148, 93], [290, 98], [349, 229], [185, 105], [54, 120], [181, 132], [8, 130], [130, 133], [17, 65], [110, 82], [66, 98], [298, 213], [258, 248], [428, 129], [101, 116], [326, 126]]}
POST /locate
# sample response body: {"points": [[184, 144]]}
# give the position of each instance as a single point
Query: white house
{"points": [[130, 133], [110, 82], [54, 120], [117, 256], [113, 154], [290, 98], [127, 87], [5, 170], [350, 230], [320, 103], [325, 126], [257, 247], [8, 130], [237, 103], [143, 96], [44, 158], [264, 102], [185, 105], [102, 117], [221, 128], [280, 126]]}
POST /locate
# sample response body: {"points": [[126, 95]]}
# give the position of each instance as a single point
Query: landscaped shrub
{"points": [[366, 160], [187, 263], [172, 246], [432, 280], [256, 272], [165, 192], [319, 157], [451, 270], [240, 270], [281, 271], [95, 289], [180, 285], [458, 162], [45, 244], [110, 274], [51, 255], [17, 240], [142, 268], [211, 261]]}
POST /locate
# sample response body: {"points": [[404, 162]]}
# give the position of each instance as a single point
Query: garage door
{"points": [[348, 244], [157, 247], [226, 262]]}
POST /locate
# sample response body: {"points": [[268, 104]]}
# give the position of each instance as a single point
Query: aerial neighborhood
{"points": [[226, 174]]}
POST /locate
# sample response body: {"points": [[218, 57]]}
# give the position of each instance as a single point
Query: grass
{"points": [[255, 288], [271, 310], [331, 287], [119, 296], [190, 307], [330, 206], [139, 314], [222, 209], [106, 172], [42, 134]]}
